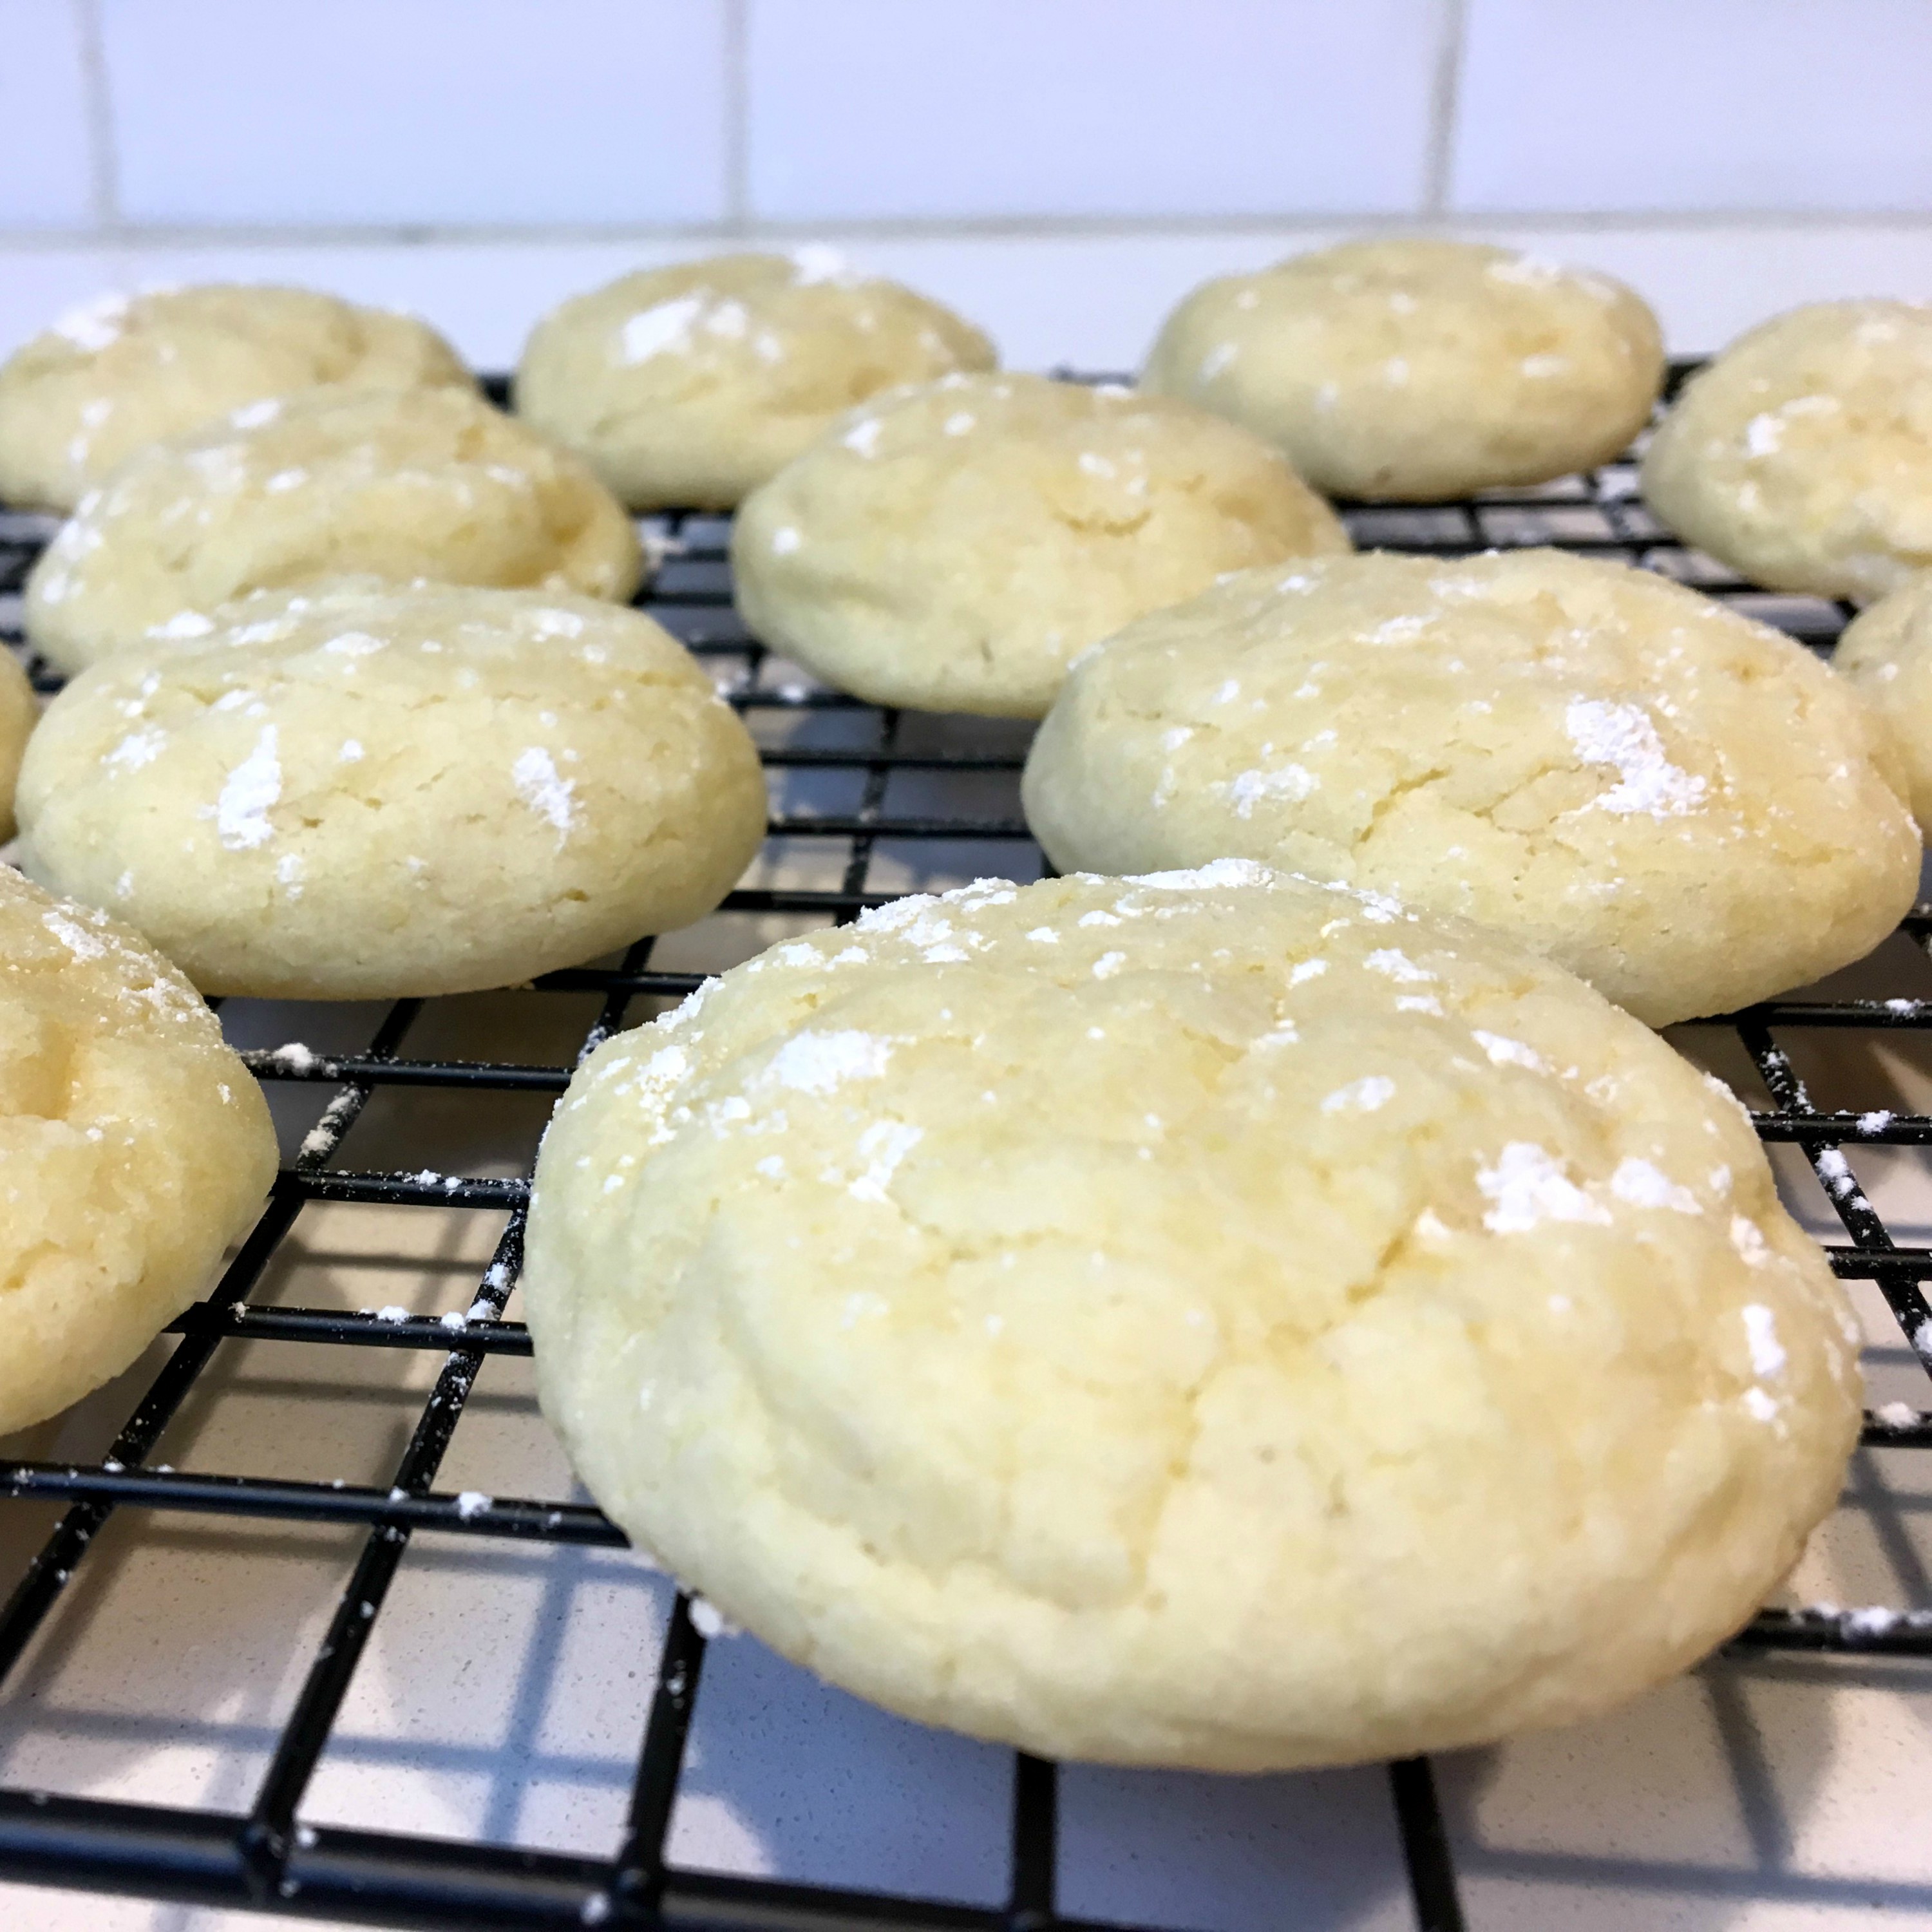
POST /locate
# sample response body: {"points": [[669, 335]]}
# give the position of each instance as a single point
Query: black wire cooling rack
{"points": [[262, 1857]]}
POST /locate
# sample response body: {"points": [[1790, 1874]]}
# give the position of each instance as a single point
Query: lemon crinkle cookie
{"points": [[953, 548], [134, 1147], [17, 715], [126, 370], [362, 792], [1419, 369], [401, 484], [1886, 651], [1205, 1319], [1679, 804], [1802, 456], [689, 386]]}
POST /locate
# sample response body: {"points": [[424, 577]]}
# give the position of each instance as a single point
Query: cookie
{"points": [[397, 484], [1802, 456], [360, 792], [688, 387], [1415, 369], [127, 370], [955, 548], [18, 712], [1208, 1319], [1680, 805], [1886, 651], [136, 1147]]}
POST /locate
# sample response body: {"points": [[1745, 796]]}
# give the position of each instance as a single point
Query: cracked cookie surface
{"points": [[125, 370], [1416, 369], [358, 792], [1802, 456], [1681, 806], [687, 387], [134, 1147], [401, 484], [1208, 1318], [954, 548]]}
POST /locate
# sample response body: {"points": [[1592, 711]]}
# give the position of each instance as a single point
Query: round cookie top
{"points": [[127, 370], [360, 792], [1417, 370], [136, 1147], [1886, 651], [1209, 1318], [1680, 805], [397, 484], [689, 386], [954, 548], [1802, 456], [18, 714]]}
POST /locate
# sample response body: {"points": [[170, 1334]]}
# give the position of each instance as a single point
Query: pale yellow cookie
{"points": [[954, 548], [18, 712], [1416, 369], [401, 484], [1886, 651], [1802, 456], [688, 387], [362, 792], [1209, 1319], [1680, 805], [134, 1147], [127, 370]]}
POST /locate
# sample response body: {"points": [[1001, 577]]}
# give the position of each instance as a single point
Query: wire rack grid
{"points": [[263, 1856]]}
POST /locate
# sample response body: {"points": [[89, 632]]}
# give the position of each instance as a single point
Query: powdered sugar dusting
{"points": [[1529, 1186], [1623, 736], [1643, 1185], [883, 1145], [540, 786], [242, 811], [1767, 1352], [1291, 784], [819, 1062], [661, 329], [1366, 1096], [1504, 1052]]}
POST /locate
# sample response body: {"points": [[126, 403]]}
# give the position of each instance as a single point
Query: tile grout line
{"points": [[102, 152], [403, 235], [737, 117], [1444, 105]]}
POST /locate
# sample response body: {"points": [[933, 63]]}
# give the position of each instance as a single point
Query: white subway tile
{"points": [[879, 109], [47, 179], [1577, 105], [404, 111]]}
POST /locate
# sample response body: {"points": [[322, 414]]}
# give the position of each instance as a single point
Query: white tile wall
{"points": [[47, 177], [1062, 172], [418, 111], [870, 109], [1629, 104]]}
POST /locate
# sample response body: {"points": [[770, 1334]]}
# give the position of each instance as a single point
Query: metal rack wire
{"points": [[263, 1857]]}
